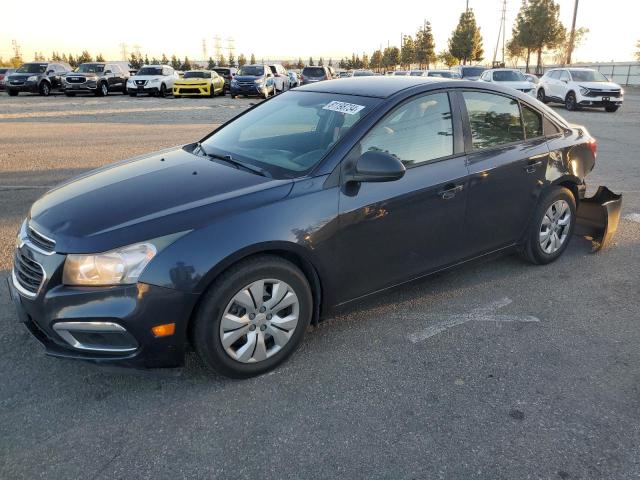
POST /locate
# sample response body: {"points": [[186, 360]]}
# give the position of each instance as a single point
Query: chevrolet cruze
{"points": [[234, 244]]}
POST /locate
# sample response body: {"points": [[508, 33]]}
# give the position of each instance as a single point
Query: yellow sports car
{"points": [[199, 83]]}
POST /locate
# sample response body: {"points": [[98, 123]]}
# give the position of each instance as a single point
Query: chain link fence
{"points": [[622, 73]]}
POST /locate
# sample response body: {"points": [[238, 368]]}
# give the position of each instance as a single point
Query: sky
{"points": [[327, 28]]}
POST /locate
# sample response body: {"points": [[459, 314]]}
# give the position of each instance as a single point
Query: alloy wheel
{"points": [[555, 227], [259, 320]]}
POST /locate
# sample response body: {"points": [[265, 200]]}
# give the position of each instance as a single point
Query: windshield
{"points": [[441, 74], [252, 71], [222, 71], [508, 76], [416, 73], [399, 72], [363, 73], [289, 135], [472, 71], [313, 72], [150, 71], [90, 68], [587, 76], [197, 75], [32, 68]]}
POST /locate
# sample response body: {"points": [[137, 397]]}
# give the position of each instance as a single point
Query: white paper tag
{"points": [[343, 107]]}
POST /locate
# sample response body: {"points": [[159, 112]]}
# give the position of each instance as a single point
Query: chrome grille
{"points": [[141, 83], [40, 241], [76, 79], [28, 273]]}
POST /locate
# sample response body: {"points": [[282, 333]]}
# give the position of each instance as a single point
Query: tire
{"points": [[44, 89], [243, 358], [13, 93], [102, 90], [570, 102], [212, 91], [163, 91], [611, 109], [541, 95], [539, 251], [124, 89]]}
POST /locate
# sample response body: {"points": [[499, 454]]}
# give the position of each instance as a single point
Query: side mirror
{"points": [[376, 166], [49, 72], [106, 72]]}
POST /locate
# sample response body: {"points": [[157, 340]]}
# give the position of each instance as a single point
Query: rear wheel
{"points": [[570, 102], [541, 95], [611, 108], [45, 89], [163, 91], [102, 90], [253, 317], [552, 226]]}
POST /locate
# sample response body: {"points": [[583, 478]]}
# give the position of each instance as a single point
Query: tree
{"points": [[561, 54], [222, 62], [211, 64], [232, 60], [175, 63], [135, 61], [365, 61], [311, 61], [186, 65], [146, 60], [38, 57], [515, 51], [100, 58], [242, 60], [425, 47], [330, 62], [321, 62], [300, 64], [521, 35], [84, 57], [253, 59], [391, 57], [543, 29], [408, 52], [376, 60], [447, 58], [72, 61], [164, 60], [465, 43], [638, 51]]}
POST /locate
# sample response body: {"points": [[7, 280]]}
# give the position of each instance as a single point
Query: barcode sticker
{"points": [[343, 107]]}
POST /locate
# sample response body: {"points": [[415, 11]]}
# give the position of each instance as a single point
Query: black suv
{"points": [[37, 77], [97, 78]]}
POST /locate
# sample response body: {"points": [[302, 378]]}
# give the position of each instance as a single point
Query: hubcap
{"points": [[259, 320], [555, 226]]}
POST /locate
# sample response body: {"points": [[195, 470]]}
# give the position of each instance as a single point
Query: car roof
{"points": [[502, 70], [374, 86]]}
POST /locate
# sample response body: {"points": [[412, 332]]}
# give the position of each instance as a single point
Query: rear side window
{"points": [[494, 119], [416, 132], [532, 122], [550, 128]]}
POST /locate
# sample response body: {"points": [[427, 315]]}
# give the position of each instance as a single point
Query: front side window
{"points": [[588, 76], [564, 76], [416, 132], [532, 122], [291, 133], [494, 119]]}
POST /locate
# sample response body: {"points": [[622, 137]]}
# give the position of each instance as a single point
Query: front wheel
{"points": [[611, 108], [103, 90], [541, 95], [552, 226], [45, 89], [253, 317], [163, 91], [570, 102]]}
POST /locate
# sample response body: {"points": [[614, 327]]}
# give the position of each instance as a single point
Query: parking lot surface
{"points": [[497, 370]]}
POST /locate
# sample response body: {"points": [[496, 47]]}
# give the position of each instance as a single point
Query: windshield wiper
{"points": [[234, 162]]}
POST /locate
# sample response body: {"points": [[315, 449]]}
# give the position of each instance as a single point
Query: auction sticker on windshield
{"points": [[343, 107]]}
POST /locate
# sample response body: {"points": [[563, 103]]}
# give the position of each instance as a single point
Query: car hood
{"points": [[146, 77], [600, 85], [191, 81], [517, 85], [147, 197], [22, 76]]}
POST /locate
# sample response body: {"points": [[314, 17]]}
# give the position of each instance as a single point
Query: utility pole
{"points": [[467, 9], [501, 33], [123, 52], [572, 35], [204, 49]]}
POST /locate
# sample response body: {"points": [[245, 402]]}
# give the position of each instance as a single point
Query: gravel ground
{"points": [[498, 370]]}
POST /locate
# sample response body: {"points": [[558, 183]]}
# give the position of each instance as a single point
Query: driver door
{"points": [[395, 231]]}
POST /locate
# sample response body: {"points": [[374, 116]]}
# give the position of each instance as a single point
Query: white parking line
{"points": [[486, 313]]}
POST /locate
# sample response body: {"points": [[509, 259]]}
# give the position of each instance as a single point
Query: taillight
{"points": [[301, 78], [593, 146]]}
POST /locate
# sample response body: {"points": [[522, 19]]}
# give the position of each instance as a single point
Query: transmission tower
{"points": [[136, 50], [16, 49], [204, 49], [501, 33], [217, 46], [231, 47]]}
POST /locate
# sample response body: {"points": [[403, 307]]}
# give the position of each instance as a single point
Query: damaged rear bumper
{"points": [[598, 217]]}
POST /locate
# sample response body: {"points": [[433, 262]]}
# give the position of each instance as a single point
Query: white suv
{"points": [[580, 87], [152, 79], [280, 77]]}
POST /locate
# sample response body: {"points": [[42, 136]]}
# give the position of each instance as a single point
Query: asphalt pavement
{"points": [[497, 370]]}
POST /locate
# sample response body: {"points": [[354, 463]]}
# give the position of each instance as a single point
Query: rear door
{"points": [[394, 231], [506, 168]]}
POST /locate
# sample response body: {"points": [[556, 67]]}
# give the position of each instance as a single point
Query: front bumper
{"points": [[249, 90], [26, 86], [600, 101], [598, 217], [192, 90], [108, 325], [143, 89], [81, 87]]}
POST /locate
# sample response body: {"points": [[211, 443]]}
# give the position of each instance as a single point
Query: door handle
{"points": [[532, 166], [450, 192]]}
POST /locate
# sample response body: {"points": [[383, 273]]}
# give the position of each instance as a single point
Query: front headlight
{"points": [[32, 78], [116, 267], [259, 82], [234, 82], [154, 80], [130, 81], [584, 90]]}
